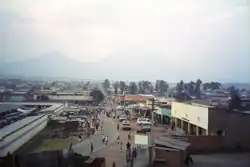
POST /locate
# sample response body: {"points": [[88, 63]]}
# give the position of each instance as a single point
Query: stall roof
{"points": [[171, 143]]}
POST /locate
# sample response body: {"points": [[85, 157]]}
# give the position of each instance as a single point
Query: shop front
{"points": [[163, 115]]}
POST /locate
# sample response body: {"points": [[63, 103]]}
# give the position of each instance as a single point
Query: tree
{"points": [[191, 87], [106, 84], [161, 87], [198, 88], [97, 95], [133, 88], [211, 85], [122, 86], [235, 102], [141, 88], [116, 86], [180, 87], [145, 87]]}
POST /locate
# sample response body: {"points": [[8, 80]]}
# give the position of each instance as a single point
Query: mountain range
{"points": [[55, 64], [136, 66]]}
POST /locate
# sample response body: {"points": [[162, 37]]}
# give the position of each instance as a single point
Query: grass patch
{"points": [[52, 144]]}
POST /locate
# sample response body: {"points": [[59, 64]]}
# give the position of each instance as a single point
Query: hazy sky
{"points": [[208, 33]]}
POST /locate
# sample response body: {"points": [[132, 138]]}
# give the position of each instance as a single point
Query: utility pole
{"points": [[151, 135]]}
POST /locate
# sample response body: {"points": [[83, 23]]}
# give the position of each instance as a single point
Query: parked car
{"points": [[122, 118], [143, 120], [144, 127], [126, 125]]}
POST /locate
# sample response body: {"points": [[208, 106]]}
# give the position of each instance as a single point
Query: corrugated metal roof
{"points": [[16, 125], [171, 143], [69, 97], [6, 107]]}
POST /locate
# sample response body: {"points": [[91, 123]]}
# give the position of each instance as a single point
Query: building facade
{"points": [[203, 120]]}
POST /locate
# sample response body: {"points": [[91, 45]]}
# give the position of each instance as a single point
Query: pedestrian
{"points": [[91, 146], [113, 164], [70, 145], [129, 136], [118, 139], [134, 154], [103, 138], [118, 126], [106, 140], [128, 145], [121, 146]]}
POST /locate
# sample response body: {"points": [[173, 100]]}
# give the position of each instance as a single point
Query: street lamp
{"points": [[151, 135]]}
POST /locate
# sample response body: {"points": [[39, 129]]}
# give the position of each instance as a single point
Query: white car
{"points": [[122, 117], [143, 120], [126, 125]]}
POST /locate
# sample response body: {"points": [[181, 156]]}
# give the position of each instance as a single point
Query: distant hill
{"points": [[48, 65], [57, 65], [126, 65]]}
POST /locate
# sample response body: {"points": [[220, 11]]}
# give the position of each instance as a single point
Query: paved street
{"points": [[109, 129], [112, 152]]}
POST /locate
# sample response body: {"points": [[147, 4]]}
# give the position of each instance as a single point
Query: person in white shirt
{"points": [[106, 140]]}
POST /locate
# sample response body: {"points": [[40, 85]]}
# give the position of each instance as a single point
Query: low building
{"points": [[172, 152], [15, 135], [133, 99], [20, 122], [204, 120]]}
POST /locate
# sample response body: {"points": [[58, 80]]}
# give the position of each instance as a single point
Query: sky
{"points": [[213, 35]]}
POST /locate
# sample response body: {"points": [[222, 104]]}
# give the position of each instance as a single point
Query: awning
{"points": [[163, 111]]}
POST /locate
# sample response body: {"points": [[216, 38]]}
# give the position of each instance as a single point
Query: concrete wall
{"points": [[195, 114], [238, 130], [14, 141], [236, 127], [206, 143], [172, 158]]}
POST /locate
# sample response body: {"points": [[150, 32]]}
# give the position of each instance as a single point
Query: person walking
{"points": [[117, 126], [129, 136], [91, 146], [106, 140], [134, 153], [103, 138], [70, 145], [121, 146], [118, 139], [128, 145]]}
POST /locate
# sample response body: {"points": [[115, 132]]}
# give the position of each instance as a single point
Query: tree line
{"points": [[182, 90]]}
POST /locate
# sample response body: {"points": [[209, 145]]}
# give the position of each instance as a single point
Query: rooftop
{"points": [[171, 143], [17, 125], [199, 103], [70, 97], [6, 107], [14, 105]]}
